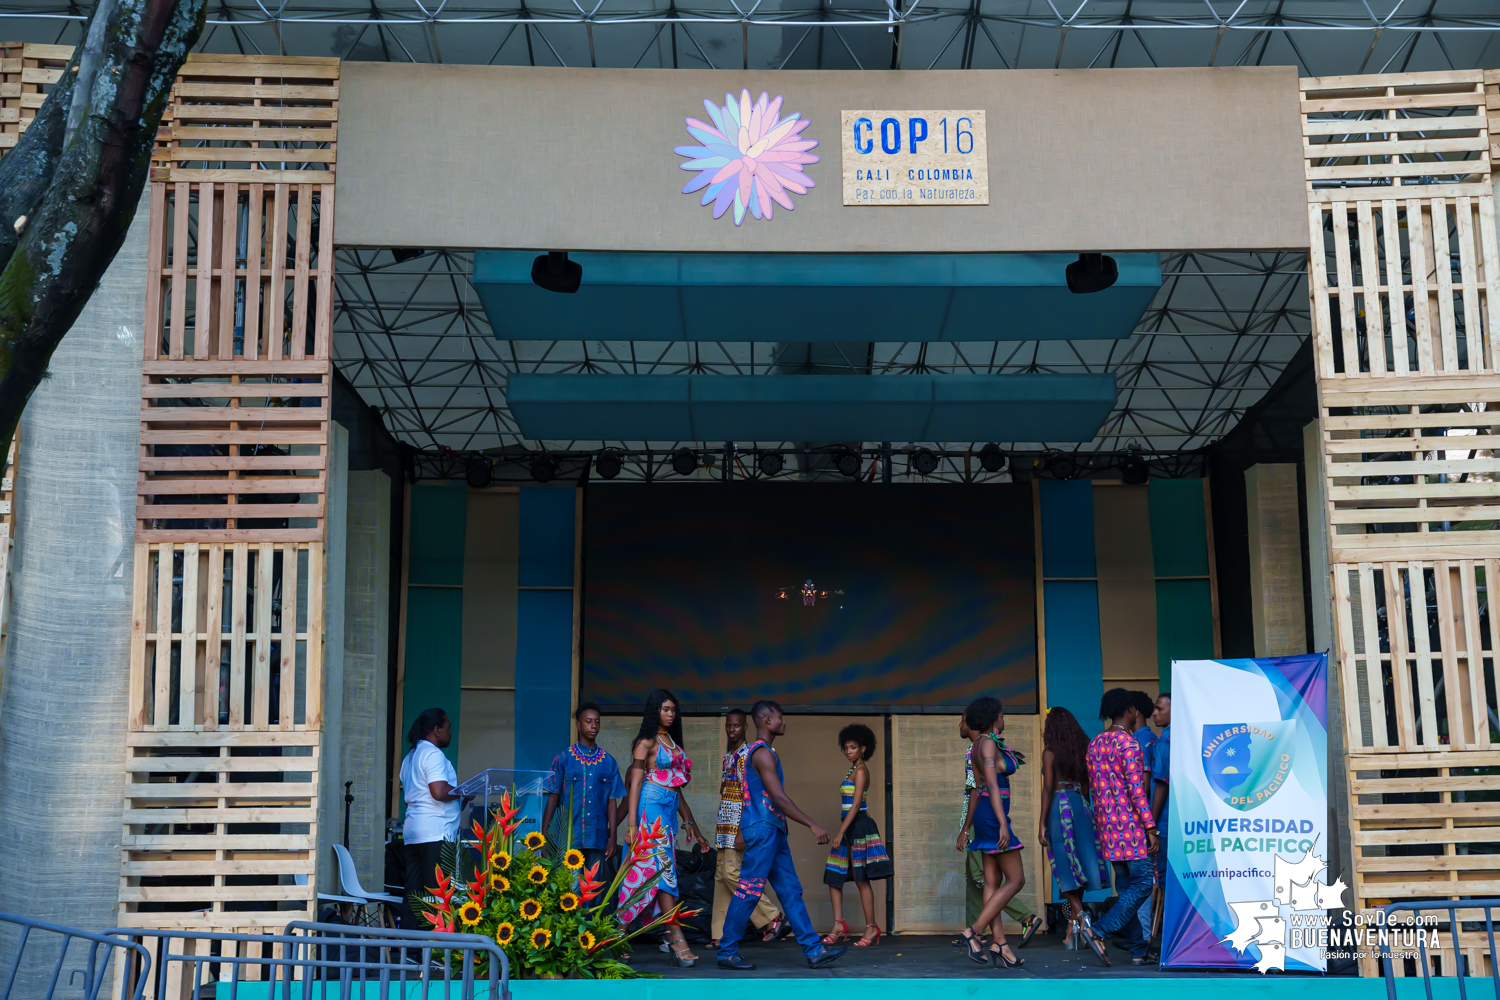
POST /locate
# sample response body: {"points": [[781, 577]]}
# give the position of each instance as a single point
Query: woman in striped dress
{"points": [[858, 855]]}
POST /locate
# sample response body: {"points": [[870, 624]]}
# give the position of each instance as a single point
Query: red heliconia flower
{"points": [[477, 888], [588, 889], [444, 889], [442, 922], [676, 919], [505, 817]]}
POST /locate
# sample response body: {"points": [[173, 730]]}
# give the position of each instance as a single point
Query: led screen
{"points": [[829, 596]]}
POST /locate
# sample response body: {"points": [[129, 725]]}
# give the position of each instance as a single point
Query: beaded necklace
{"points": [[585, 757]]}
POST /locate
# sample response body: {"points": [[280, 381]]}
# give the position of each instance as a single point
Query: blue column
{"points": [[544, 633], [1070, 592]]}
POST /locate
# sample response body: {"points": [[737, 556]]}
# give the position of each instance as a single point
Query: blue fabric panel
{"points": [[1068, 530], [817, 297], [1075, 662], [548, 519], [544, 671], [438, 519], [1179, 527], [1041, 407], [434, 657]]}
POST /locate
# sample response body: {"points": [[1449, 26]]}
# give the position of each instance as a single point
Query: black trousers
{"points": [[606, 873], [421, 860]]}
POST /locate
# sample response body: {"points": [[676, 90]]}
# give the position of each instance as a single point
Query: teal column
{"points": [[544, 633], [435, 604], [1070, 595], [1179, 546]]}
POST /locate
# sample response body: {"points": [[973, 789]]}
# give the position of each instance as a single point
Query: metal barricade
{"points": [[312, 961], [95, 970], [1455, 930]]}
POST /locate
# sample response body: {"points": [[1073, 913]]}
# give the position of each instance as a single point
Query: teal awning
{"points": [[804, 297], [1060, 408]]}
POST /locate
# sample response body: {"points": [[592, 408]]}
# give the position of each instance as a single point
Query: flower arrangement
{"points": [[542, 906]]}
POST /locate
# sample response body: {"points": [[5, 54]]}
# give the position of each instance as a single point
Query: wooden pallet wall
{"points": [[226, 670], [1404, 277], [27, 72]]}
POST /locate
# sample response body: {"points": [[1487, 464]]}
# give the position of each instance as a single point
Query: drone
{"points": [[810, 593]]}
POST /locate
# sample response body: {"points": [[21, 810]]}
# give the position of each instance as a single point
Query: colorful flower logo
{"points": [[750, 157]]}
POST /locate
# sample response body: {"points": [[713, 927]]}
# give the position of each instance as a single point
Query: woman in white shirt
{"points": [[432, 806]]}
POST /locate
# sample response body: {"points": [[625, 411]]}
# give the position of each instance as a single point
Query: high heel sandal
{"points": [[974, 948], [839, 933], [680, 961], [1086, 928], [998, 959], [1029, 930], [865, 942]]}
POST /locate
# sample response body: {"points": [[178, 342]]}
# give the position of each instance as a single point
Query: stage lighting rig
{"points": [[991, 458], [847, 462], [554, 272], [1060, 465], [924, 461], [1091, 272], [684, 462], [1133, 468], [544, 468], [478, 471], [770, 463], [608, 464]]}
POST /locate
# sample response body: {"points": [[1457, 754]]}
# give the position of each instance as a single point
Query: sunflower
{"points": [[469, 913], [535, 841], [568, 902], [541, 938], [500, 860], [537, 875], [585, 941], [573, 859], [504, 933], [499, 882], [531, 909]]}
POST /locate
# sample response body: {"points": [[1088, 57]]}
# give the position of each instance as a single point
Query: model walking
{"points": [[994, 839], [1066, 827], [659, 769], [858, 854]]}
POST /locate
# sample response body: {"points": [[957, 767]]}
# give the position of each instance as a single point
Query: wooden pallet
{"points": [[226, 670], [27, 73], [1404, 276]]}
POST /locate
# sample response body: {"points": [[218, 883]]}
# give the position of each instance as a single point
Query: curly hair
{"points": [[982, 713], [861, 734], [1069, 744], [651, 718]]}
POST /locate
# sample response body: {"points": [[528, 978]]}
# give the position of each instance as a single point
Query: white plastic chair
{"points": [[328, 897], [349, 881]]}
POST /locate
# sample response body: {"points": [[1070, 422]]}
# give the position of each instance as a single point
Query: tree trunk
{"points": [[78, 201]]}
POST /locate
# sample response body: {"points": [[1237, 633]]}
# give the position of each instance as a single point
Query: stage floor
{"points": [[914, 957]]}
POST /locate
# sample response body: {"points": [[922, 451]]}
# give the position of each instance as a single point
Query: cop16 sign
{"points": [[915, 158]]}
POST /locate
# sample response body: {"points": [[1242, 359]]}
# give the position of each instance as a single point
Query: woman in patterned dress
{"points": [[1066, 827], [989, 815], [659, 770], [858, 855]]}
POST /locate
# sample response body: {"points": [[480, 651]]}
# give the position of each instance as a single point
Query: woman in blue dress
{"points": [[659, 770], [996, 842]]}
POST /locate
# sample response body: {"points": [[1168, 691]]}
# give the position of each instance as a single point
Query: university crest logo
{"points": [[1247, 762]]}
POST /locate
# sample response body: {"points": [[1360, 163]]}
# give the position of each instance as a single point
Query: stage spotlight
{"points": [[1091, 272], [609, 463], [770, 463], [544, 468], [403, 254], [1061, 466], [847, 462], [1133, 468], [478, 471], [991, 458], [556, 273], [924, 461], [684, 462]]}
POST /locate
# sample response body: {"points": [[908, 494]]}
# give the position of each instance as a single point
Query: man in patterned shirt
{"points": [[1123, 823], [730, 845]]}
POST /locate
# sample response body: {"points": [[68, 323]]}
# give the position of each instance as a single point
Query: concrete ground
{"points": [[911, 957]]}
